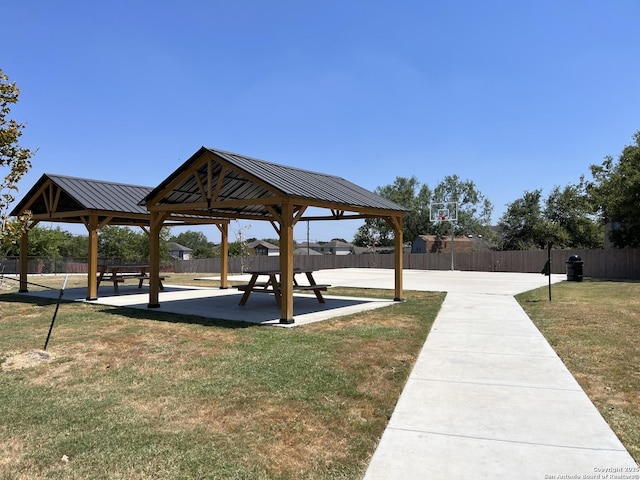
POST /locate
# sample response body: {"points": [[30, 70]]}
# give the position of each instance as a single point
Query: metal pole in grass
{"points": [[549, 245], [546, 270], [53, 320]]}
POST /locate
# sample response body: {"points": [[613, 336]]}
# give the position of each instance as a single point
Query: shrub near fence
{"points": [[614, 264]]}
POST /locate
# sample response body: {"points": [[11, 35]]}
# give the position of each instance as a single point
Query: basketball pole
{"points": [[440, 212], [452, 244]]}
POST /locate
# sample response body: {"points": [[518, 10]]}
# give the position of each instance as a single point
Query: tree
{"points": [[615, 193], [474, 210], [523, 226], [566, 220], [13, 157], [76, 246], [42, 243], [123, 244], [570, 220], [196, 241], [376, 232]]}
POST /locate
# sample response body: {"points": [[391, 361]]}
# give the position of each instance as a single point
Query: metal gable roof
{"points": [[86, 194], [71, 199], [101, 195], [252, 179], [308, 184]]}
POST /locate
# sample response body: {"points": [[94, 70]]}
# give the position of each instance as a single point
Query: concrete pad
{"points": [[223, 304]]}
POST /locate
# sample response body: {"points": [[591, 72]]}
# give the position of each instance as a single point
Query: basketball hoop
{"points": [[444, 212]]}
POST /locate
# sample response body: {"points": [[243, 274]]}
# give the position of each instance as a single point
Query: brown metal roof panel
{"points": [[102, 195], [308, 184]]}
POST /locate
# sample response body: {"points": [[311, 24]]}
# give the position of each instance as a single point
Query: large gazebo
{"points": [[211, 187]]}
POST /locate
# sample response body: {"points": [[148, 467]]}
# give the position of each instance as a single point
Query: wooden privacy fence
{"points": [[612, 264]]}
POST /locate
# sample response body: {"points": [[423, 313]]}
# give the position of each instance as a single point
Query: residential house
{"points": [[334, 247], [437, 244], [260, 247], [179, 251]]}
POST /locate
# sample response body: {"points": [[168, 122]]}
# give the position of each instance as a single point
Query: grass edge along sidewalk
{"points": [[139, 395], [594, 327]]}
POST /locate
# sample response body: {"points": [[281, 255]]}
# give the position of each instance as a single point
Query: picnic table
{"points": [[272, 285], [118, 273]]}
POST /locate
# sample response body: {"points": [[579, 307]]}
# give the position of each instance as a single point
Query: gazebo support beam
{"points": [[92, 258], [24, 261], [286, 263], [224, 254], [157, 220], [396, 224]]}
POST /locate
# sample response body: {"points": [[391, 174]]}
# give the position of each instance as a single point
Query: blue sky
{"points": [[512, 95]]}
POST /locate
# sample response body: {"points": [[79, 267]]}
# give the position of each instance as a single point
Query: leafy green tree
{"points": [[198, 242], [13, 157], [76, 246], [566, 220], [569, 217], [474, 210], [191, 239], [615, 193], [122, 243], [377, 232], [523, 226], [42, 243]]}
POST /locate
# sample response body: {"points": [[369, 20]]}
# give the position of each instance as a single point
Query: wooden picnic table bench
{"points": [[119, 273], [272, 285]]}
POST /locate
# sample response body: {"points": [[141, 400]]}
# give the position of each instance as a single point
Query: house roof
{"points": [[263, 243], [436, 238], [176, 247], [237, 186], [337, 244], [306, 251]]}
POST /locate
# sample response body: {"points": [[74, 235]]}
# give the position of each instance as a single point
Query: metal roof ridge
{"points": [[281, 165], [94, 180]]}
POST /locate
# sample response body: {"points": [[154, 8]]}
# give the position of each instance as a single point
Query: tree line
{"points": [[573, 216]]}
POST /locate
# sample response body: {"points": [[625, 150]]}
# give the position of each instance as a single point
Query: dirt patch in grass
{"points": [[28, 359]]}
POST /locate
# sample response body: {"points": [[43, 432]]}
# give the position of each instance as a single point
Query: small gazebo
{"points": [[228, 185]]}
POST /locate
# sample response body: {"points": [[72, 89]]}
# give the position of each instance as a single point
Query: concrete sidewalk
{"points": [[488, 398]]}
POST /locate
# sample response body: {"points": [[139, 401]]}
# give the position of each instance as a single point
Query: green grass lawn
{"points": [[134, 394], [594, 326]]}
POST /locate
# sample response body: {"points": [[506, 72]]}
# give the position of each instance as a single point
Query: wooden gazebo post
{"points": [[24, 261], [396, 224], [157, 219], [286, 262], [224, 254], [92, 258]]}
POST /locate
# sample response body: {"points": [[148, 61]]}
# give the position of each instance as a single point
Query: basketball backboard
{"points": [[444, 212]]}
